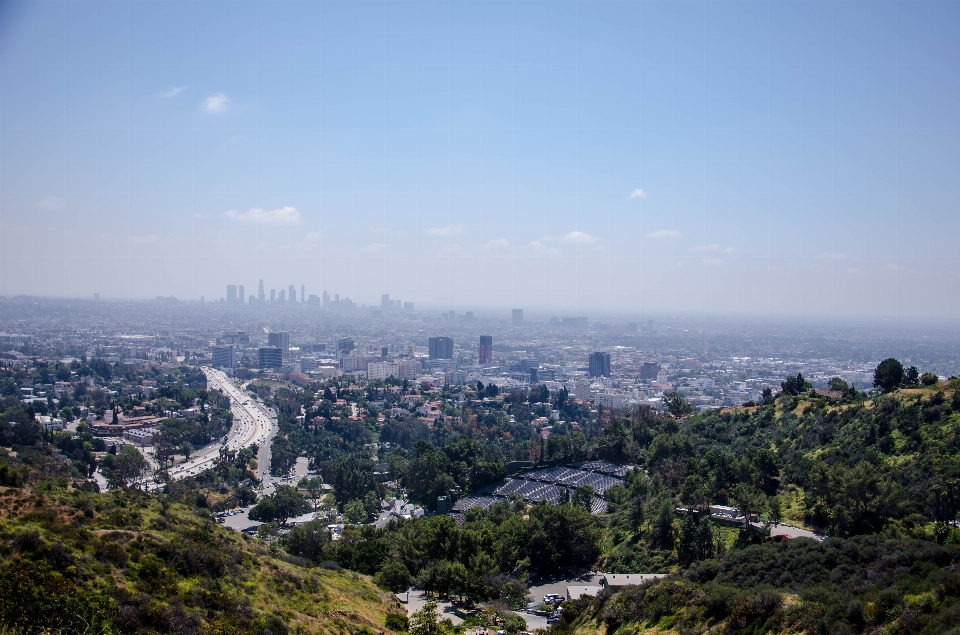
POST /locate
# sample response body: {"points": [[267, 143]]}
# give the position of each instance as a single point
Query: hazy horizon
{"points": [[726, 158]]}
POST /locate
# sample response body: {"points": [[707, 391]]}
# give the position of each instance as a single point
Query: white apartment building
{"points": [[382, 370]]}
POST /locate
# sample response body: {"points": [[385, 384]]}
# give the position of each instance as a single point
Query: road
{"points": [[253, 423]]}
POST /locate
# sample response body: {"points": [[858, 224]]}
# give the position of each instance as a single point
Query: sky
{"points": [[771, 157]]}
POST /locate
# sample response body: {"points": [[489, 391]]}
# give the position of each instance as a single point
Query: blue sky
{"points": [[799, 157]]}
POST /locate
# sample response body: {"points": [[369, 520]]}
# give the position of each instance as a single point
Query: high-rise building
{"points": [[261, 296], [345, 344], [486, 349], [279, 339], [441, 348], [270, 357], [273, 296], [292, 294], [385, 304], [224, 357], [600, 364], [231, 293], [240, 296], [326, 299], [282, 297], [303, 294], [517, 317], [649, 370]]}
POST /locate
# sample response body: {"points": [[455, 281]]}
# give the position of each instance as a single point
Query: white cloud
{"points": [[216, 104], [374, 248], [713, 262], [498, 243], [638, 193], [728, 250], [449, 230], [544, 250], [664, 233], [49, 202], [832, 256], [580, 238], [256, 215], [173, 92], [309, 240], [854, 271]]}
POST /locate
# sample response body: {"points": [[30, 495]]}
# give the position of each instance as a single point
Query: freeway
{"points": [[253, 423]]}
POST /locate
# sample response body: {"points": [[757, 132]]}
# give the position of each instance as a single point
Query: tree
{"points": [[795, 385], [583, 496], [696, 541], [394, 577], [355, 512], [749, 500], [838, 384], [929, 379], [767, 397], [774, 510], [314, 487], [127, 469], [888, 375], [911, 376], [663, 524], [677, 405], [427, 621], [307, 540], [283, 504]]}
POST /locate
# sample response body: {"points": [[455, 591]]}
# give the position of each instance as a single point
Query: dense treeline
{"points": [[838, 587], [488, 557]]}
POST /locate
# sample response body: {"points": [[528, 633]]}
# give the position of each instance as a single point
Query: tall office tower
{"points": [[408, 306], [326, 299], [384, 351], [273, 296], [240, 296], [279, 339], [600, 364], [261, 296], [441, 348], [282, 297], [292, 295], [486, 349], [224, 357], [649, 370], [303, 294], [253, 299], [231, 293], [385, 302], [270, 357], [345, 344], [517, 317]]}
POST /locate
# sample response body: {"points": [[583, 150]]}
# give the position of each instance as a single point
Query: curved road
{"points": [[253, 423]]}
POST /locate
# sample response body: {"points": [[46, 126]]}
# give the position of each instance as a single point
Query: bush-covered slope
{"points": [[129, 562], [866, 584]]}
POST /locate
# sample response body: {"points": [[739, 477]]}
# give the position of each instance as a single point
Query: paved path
{"points": [[793, 532]]}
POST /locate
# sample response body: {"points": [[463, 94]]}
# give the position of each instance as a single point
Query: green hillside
{"points": [[130, 562], [880, 477]]}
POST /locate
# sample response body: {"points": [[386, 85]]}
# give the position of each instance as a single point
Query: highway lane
{"points": [[253, 423]]}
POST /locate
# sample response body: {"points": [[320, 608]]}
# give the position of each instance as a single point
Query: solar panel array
{"points": [[551, 484]]}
